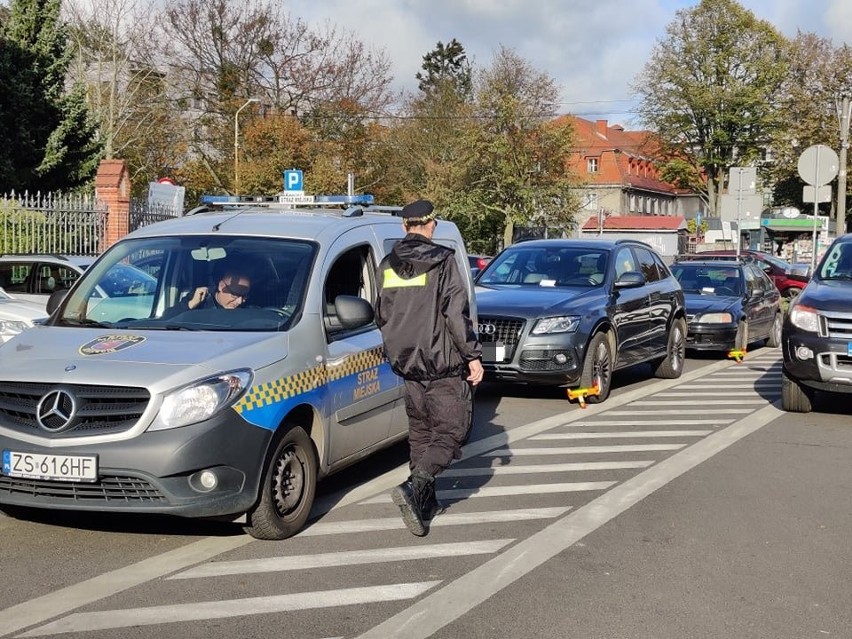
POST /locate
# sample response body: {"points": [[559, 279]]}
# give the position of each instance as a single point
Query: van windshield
{"points": [[203, 283]]}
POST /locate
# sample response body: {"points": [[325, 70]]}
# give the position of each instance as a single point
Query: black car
{"points": [[570, 312], [729, 304], [817, 333]]}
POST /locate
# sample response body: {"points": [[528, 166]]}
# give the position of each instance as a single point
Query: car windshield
{"points": [[697, 279], [837, 264], [245, 283], [547, 266]]}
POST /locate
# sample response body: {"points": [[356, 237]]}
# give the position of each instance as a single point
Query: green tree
{"points": [[517, 170], [710, 89], [447, 65], [52, 144], [819, 75]]}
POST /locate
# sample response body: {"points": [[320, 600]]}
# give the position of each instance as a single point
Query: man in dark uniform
{"points": [[230, 292], [423, 312]]}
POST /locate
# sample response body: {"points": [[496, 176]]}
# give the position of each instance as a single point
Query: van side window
{"points": [[351, 274]]}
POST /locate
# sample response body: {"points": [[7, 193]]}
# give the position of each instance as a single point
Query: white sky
{"points": [[592, 48]]}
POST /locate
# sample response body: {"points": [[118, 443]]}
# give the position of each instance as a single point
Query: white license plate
{"points": [[55, 467], [495, 352]]}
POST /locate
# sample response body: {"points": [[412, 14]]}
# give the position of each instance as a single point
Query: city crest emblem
{"points": [[106, 344]]}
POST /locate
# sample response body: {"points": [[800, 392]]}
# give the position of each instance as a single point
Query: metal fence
{"points": [[51, 223], [143, 213]]}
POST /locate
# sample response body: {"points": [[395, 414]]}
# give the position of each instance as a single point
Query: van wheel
{"points": [[671, 367], [774, 339], [287, 489], [597, 368], [795, 398]]}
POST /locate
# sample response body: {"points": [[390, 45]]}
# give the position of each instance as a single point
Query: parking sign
{"points": [[294, 181]]}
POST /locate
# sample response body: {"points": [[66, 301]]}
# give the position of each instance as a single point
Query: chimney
{"points": [[601, 128]]}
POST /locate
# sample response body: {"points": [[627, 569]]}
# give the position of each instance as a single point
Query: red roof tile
{"points": [[638, 223]]}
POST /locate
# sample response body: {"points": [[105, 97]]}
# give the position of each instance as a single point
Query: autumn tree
{"points": [[517, 171], [819, 75], [48, 139], [711, 87]]}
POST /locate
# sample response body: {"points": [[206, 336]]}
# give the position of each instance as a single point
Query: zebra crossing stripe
{"points": [[705, 402], [624, 434], [448, 519], [515, 469], [455, 494], [720, 387], [346, 558], [683, 411], [205, 610], [583, 450], [653, 422], [709, 394]]}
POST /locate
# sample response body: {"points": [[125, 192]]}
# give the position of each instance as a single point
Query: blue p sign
{"points": [[293, 180]]}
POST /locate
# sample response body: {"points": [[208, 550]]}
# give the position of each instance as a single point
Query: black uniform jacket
{"points": [[423, 311]]}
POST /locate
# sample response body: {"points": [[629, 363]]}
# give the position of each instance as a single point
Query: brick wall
{"points": [[112, 187]]}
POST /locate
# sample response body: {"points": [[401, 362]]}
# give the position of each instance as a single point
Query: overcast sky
{"points": [[593, 49]]}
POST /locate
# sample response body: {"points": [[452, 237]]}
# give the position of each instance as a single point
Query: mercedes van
{"points": [[134, 403]]}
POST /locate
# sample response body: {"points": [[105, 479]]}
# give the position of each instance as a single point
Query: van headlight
{"points": [[566, 324], [201, 400]]}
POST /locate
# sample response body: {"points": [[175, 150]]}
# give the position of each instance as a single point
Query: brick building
{"points": [[620, 175]]}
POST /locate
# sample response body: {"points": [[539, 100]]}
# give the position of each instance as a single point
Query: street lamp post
{"points": [[237, 145]]}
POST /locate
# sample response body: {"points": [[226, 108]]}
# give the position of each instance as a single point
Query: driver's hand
{"points": [[197, 296]]}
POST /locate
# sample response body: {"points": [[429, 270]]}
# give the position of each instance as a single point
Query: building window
{"points": [[592, 165], [591, 202]]}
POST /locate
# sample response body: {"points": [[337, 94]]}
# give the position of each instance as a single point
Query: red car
{"points": [[788, 282]]}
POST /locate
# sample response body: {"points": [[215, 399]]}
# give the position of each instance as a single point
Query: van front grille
{"points": [[93, 410]]}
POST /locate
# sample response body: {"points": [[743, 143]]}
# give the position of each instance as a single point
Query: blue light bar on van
{"points": [[236, 199], [345, 199]]}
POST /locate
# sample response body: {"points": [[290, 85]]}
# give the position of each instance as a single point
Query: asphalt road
{"points": [[678, 508]]}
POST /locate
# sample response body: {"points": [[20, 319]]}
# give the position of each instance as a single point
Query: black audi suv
{"points": [[569, 312]]}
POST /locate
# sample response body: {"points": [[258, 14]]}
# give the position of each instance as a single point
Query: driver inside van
{"points": [[229, 293]]}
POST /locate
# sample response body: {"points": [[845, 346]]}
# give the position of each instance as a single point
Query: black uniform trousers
{"points": [[439, 415]]}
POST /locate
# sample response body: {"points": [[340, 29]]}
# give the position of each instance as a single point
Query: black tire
{"points": [[287, 489], [597, 368], [774, 339], [795, 398], [671, 366]]}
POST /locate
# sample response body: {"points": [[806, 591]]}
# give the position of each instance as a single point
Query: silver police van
{"points": [[135, 403]]}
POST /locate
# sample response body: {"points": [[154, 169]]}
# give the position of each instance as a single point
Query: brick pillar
{"points": [[112, 186]]}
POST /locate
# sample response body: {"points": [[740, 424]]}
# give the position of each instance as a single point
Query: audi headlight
{"points": [[201, 400], [10, 328], [805, 317], [716, 318], [548, 325]]}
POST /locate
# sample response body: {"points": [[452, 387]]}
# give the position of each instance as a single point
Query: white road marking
{"points": [[83, 593], [203, 610], [653, 422], [583, 450], [56, 603], [346, 558], [685, 411], [435, 611], [623, 434], [756, 386], [709, 394], [704, 402], [455, 494], [515, 469], [449, 519]]}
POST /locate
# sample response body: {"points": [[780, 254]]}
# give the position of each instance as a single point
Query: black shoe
{"points": [[405, 496], [431, 506]]}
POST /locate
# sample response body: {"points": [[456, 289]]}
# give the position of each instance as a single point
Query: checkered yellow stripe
{"points": [[307, 380]]}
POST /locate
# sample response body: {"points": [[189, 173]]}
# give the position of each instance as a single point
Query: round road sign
{"points": [[818, 165]]}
